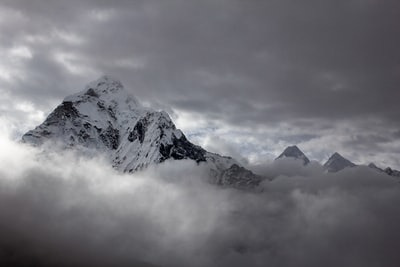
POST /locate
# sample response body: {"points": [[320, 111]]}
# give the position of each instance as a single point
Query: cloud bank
{"points": [[62, 209]]}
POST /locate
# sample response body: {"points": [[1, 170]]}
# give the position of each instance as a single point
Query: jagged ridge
{"points": [[388, 170]]}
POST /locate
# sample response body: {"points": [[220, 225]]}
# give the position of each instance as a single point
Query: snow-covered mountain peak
{"points": [[107, 119], [336, 163], [294, 152]]}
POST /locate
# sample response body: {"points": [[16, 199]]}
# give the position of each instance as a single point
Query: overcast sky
{"points": [[245, 78]]}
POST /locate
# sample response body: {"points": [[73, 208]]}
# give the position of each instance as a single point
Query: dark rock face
{"points": [[64, 111], [91, 92], [110, 137], [138, 131], [101, 105], [240, 177], [182, 149]]}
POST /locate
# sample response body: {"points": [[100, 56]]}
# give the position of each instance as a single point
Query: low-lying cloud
{"points": [[63, 209]]}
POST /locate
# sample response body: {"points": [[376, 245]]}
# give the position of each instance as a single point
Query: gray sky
{"points": [[245, 78]]}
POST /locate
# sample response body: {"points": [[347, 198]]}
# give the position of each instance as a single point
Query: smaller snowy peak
{"points": [[294, 152], [337, 163]]}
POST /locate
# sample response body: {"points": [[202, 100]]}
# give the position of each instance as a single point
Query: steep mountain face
{"points": [[105, 118], [337, 163], [294, 152]]}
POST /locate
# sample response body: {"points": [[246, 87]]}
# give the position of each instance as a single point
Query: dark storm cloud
{"points": [[312, 58], [250, 63]]}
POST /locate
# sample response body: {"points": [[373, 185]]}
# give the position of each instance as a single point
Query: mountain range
{"points": [[335, 163], [105, 118]]}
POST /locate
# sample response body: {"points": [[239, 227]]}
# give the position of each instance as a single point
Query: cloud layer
{"points": [[62, 209]]}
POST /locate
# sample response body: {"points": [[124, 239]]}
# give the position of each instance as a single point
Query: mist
{"points": [[64, 209]]}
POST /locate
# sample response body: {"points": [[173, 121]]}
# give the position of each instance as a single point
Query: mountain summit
{"points": [[337, 163], [106, 118], [294, 152]]}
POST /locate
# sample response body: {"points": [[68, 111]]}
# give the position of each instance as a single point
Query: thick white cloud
{"points": [[62, 209]]}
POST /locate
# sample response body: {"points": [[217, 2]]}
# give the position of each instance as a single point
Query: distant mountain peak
{"points": [[294, 152], [337, 163], [372, 165]]}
